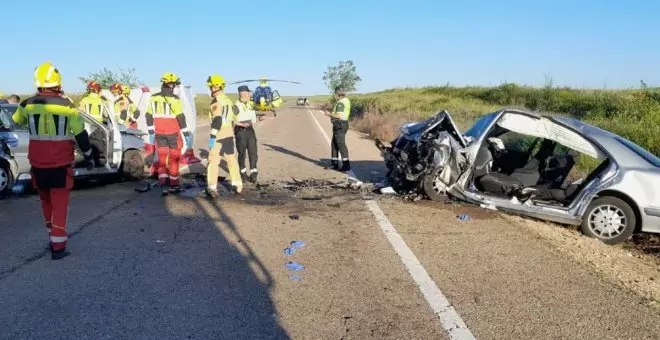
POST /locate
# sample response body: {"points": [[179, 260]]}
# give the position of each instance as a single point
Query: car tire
{"points": [[6, 179], [430, 184], [603, 214], [132, 165]]}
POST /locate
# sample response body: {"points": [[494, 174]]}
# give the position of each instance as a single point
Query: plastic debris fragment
{"points": [[295, 277], [387, 190], [464, 217], [297, 244], [289, 251], [294, 266]]}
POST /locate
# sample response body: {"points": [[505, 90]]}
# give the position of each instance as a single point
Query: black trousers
{"points": [[99, 147], [246, 142], [339, 130]]}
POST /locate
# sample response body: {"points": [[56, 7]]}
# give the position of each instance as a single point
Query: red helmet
{"points": [[92, 85], [116, 88]]}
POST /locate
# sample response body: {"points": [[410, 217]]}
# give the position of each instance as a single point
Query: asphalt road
{"points": [[144, 266]]}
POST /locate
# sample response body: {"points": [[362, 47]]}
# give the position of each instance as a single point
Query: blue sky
{"points": [[586, 43]]}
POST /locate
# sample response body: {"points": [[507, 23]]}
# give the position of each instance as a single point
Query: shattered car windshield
{"points": [[479, 127]]}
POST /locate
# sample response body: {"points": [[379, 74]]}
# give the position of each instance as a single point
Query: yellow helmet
{"points": [[46, 75], [125, 89], [169, 77], [215, 80], [263, 81]]}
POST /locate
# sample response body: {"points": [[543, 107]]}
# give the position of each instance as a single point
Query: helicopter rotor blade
{"points": [[253, 80]]}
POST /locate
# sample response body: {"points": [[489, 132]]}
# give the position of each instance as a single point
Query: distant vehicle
{"points": [[518, 161], [124, 148], [302, 101]]}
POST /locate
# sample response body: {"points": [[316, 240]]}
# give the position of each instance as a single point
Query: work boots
{"points": [[253, 175], [58, 251], [244, 176], [346, 165]]}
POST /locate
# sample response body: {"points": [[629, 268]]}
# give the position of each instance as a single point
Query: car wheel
{"points": [[433, 187], [609, 219], [133, 165], [6, 179]]}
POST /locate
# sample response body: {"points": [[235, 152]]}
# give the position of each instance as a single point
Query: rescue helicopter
{"points": [[264, 97]]}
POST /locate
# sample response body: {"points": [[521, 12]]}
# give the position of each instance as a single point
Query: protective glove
{"points": [[189, 142], [211, 143], [152, 139]]}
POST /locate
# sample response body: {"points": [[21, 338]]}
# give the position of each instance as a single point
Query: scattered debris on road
{"points": [[294, 266], [463, 217], [294, 217]]}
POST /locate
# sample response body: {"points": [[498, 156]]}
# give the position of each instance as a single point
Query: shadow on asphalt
{"points": [[365, 171], [146, 271]]}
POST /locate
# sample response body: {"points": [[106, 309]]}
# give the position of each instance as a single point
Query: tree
{"points": [[344, 75], [107, 77]]}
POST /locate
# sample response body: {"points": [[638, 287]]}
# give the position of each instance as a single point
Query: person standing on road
{"points": [[126, 111], [165, 123], [246, 139], [53, 123], [93, 104], [221, 139], [339, 118]]}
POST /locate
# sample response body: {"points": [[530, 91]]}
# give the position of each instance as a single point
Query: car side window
{"points": [[6, 122], [514, 141]]}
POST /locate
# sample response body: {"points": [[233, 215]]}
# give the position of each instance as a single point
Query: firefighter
{"points": [[165, 123], [221, 139], [339, 118], [246, 139], [126, 112], [93, 103], [53, 122]]}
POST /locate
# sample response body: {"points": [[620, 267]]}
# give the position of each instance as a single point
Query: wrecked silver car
{"points": [[521, 162]]}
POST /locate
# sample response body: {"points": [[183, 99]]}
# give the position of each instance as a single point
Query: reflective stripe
{"points": [[33, 126], [162, 176], [214, 132], [61, 125], [184, 130], [153, 109], [162, 116], [174, 178], [58, 239], [51, 138], [88, 152], [167, 109]]}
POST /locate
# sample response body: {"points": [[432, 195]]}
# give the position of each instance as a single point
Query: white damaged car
{"points": [[519, 161]]}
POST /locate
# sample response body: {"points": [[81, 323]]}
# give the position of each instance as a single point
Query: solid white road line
{"points": [[450, 321]]}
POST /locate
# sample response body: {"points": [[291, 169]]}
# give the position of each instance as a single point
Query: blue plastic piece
{"points": [[289, 251], [295, 277], [297, 244], [464, 217], [294, 266]]}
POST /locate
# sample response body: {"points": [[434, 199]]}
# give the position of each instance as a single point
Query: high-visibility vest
{"points": [[343, 108], [123, 103], [53, 122], [93, 105], [224, 106], [165, 114]]}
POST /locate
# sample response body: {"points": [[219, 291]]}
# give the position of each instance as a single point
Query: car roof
{"points": [[626, 153]]}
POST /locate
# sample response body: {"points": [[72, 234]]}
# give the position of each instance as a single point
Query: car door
{"points": [[21, 133]]}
